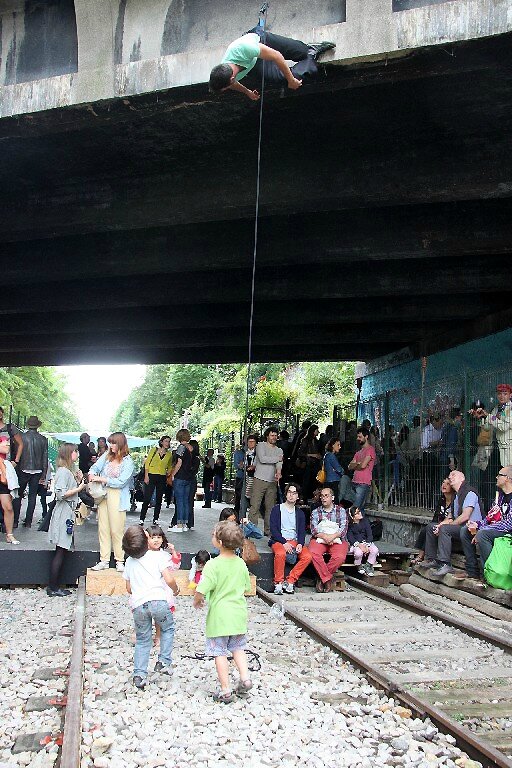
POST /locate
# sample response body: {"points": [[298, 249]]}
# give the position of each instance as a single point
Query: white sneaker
{"points": [[101, 566], [173, 528], [288, 588], [278, 589], [120, 567]]}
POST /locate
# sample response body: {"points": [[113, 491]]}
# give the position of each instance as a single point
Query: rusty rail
{"points": [[72, 732]]}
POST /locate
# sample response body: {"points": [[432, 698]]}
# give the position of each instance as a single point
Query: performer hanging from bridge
{"points": [[249, 57]]}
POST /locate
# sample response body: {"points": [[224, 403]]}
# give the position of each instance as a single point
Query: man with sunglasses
{"points": [[498, 522]]}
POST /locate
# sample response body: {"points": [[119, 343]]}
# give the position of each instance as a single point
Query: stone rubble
{"points": [[307, 707]]}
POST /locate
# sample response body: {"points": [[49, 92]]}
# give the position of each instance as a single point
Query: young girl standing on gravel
{"points": [[144, 571], [157, 541], [223, 584]]}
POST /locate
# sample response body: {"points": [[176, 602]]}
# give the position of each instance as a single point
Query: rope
{"points": [[262, 23], [253, 659]]}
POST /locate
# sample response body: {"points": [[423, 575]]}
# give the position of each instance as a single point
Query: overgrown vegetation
{"points": [[214, 395], [41, 392]]}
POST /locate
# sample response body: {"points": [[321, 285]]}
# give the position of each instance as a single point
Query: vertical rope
{"points": [[263, 17], [262, 24]]}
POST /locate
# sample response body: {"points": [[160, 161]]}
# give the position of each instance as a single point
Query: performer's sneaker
{"points": [[317, 49]]}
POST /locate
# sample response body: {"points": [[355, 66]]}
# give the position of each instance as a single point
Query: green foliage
{"points": [[37, 391], [214, 395]]}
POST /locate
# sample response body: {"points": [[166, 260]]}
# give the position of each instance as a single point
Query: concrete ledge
{"points": [[371, 32]]}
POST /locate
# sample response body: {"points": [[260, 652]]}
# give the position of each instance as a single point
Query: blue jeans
{"points": [[142, 618], [181, 499], [252, 531], [217, 488], [353, 492]]}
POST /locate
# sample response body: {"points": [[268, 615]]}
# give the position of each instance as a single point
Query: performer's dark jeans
{"points": [[33, 483], [292, 50]]}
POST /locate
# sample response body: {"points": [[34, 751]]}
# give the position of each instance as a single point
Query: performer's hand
{"points": [[253, 95], [294, 84]]}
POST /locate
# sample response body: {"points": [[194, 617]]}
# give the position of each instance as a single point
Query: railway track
{"points": [[457, 674], [452, 672]]}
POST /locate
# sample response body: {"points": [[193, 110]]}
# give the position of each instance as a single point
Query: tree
{"points": [[214, 395], [33, 390]]}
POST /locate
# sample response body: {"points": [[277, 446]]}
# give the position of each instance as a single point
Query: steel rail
{"points": [[476, 749], [72, 732], [423, 610]]}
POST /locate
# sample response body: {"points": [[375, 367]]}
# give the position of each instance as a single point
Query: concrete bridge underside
{"points": [[386, 206]]}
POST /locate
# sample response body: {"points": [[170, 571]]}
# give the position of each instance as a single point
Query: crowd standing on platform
{"points": [[286, 487]]}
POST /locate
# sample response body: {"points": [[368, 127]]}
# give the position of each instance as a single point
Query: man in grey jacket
{"points": [[269, 464], [33, 462]]}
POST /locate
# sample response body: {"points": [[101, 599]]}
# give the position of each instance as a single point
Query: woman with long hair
{"points": [[444, 511], [333, 469], [181, 479], [68, 482], [114, 470]]}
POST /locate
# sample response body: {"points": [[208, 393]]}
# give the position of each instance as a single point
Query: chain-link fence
{"points": [[420, 435]]}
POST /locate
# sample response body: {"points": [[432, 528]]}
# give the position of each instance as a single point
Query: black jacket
{"points": [[35, 451]]}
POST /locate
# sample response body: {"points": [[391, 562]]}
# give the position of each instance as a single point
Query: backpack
{"points": [[498, 566]]}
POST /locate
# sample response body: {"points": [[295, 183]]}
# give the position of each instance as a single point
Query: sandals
{"points": [[224, 697], [10, 539], [243, 687]]}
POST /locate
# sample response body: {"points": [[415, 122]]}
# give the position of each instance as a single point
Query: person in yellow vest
{"points": [[157, 468]]}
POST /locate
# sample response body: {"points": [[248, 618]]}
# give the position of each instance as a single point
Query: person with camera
{"points": [[68, 482]]}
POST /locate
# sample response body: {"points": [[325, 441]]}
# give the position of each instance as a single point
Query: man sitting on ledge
{"points": [[327, 544], [438, 545], [247, 55], [498, 522], [287, 538]]}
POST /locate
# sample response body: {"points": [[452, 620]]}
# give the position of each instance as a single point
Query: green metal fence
{"points": [[422, 434]]}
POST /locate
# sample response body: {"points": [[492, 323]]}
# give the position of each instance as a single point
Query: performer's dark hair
{"points": [[220, 77]]}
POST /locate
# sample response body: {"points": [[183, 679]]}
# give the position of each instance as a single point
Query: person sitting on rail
{"points": [[360, 538], [438, 546], [337, 552], [287, 539], [497, 523], [248, 56]]}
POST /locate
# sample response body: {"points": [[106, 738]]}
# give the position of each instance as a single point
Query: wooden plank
{"points": [[491, 691], [361, 626], [482, 672], [475, 600], [111, 582], [498, 709], [425, 655]]}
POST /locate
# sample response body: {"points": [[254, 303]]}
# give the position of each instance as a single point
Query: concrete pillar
{"points": [[371, 21], [95, 23]]}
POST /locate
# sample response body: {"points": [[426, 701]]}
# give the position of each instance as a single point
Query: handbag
{"points": [[484, 437], [498, 566], [97, 490], [321, 475], [250, 554], [291, 557]]}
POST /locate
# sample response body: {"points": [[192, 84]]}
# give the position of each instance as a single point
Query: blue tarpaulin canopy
{"points": [[74, 437]]}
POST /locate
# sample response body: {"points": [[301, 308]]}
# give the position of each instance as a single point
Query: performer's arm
{"points": [[268, 54], [236, 86]]}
